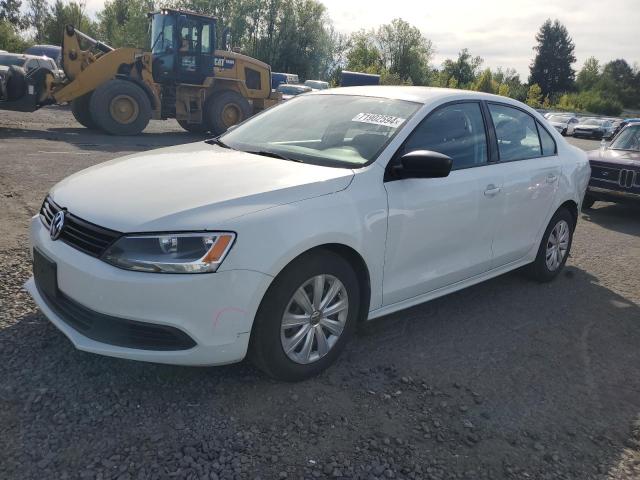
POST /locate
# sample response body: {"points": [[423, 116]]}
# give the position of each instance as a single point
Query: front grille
{"points": [[103, 328], [78, 233], [605, 173]]}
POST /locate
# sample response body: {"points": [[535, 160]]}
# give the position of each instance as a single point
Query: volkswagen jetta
{"points": [[277, 238]]}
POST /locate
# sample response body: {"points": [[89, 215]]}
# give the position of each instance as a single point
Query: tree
{"points": [[405, 51], [10, 12], [10, 40], [363, 54], [534, 96], [464, 70], [66, 13], [503, 90], [589, 74], [485, 82], [551, 67], [124, 23]]}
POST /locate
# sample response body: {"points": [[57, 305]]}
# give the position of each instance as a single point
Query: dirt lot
{"points": [[507, 379]]}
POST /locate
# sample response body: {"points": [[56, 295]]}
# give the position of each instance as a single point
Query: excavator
{"points": [[184, 76]]}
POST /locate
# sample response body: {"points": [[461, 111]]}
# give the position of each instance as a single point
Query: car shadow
{"points": [[86, 139], [619, 217], [527, 364]]}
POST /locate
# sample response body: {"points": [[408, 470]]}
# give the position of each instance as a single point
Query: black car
{"points": [[615, 170]]}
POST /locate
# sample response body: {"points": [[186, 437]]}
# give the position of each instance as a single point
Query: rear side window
{"points": [[455, 130], [547, 141], [516, 132]]}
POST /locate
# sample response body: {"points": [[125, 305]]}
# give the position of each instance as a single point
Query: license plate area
{"points": [[45, 273]]}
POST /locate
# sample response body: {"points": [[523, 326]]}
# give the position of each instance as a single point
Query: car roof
{"points": [[26, 56], [415, 94]]}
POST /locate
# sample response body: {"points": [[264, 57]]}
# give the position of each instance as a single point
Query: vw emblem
{"points": [[57, 224]]}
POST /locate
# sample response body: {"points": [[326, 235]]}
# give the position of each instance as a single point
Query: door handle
{"points": [[492, 190], [551, 178]]}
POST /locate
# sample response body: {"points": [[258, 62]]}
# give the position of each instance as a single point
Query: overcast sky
{"points": [[500, 31]]}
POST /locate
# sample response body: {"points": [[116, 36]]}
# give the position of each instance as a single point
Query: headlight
{"points": [[171, 252]]}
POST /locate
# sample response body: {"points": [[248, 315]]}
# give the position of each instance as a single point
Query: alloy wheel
{"points": [[314, 319], [557, 245]]}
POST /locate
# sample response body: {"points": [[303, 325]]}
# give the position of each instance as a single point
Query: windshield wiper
{"points": [[217, 141], [267, 153]]}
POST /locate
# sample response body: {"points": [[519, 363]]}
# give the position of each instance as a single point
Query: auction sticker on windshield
{"points": [[379, 119]]}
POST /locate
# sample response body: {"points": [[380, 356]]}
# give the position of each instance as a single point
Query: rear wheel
{"points": [[225, 109], [120, 107], [554, 248], [80, 107], [193, 127], [306, 317]]}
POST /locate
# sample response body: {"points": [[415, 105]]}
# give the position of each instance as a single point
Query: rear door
{"points": [[530, 168], [440, 229]]}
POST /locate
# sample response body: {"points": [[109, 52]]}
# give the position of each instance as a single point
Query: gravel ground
{"points": [[505, 380]]}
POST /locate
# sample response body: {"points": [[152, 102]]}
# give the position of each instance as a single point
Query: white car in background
{"points": [[281, 235], [316, 84], [563, 123]]}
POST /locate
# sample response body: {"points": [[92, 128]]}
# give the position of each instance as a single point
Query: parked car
{"points": [[289, 91], [280, 78], [52, 51], [593, 128], [316, 84], [563, 123], [622, 124], [615, 170], [29, 62], [330, 209]]}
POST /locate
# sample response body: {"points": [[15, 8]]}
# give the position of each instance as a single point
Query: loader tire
{"points": [[120, 107], [17, 83], [226, 109], [80, 107], [193, 127]]}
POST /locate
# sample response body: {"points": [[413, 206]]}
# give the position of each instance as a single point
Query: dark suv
{"points": [[615, 170]]}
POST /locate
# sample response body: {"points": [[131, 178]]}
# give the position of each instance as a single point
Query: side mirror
{"points": [[422, 164]]}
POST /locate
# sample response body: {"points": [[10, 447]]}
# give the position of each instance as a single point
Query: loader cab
{"points": [[183, 46]]}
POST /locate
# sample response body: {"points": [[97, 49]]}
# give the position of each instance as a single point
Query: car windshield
{"points": [[592, 121], [628, 139], [559, 118], [8, 60], [331, 130]]}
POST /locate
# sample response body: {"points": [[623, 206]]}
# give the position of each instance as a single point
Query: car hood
{"points": [[190, 187], [618, 157]]}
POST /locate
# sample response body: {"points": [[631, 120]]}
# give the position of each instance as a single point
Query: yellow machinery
{"points": [[183, 77]]}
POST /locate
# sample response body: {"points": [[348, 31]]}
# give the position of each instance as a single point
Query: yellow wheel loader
{"points": [[119, 90]]}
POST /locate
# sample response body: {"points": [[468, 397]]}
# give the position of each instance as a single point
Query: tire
{"points": [[123, 98], [225, 109], [16, 83], [588, 202], [266, 348], [540, 269], [81, 110], [193, 127]]}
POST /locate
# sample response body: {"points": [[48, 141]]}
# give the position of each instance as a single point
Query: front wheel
{"points": [[554, 248], [120, 107], [306, 317], [81, 110]]}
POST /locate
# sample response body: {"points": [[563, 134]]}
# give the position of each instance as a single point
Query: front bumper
{"points": [[215, 310], [607, 195]]}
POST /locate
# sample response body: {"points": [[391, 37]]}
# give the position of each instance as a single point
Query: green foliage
{"points": [[551, 68], [10, 13], [589, 74], [485, 83], [503, 90], [124, 23], [10, 39], [590, 101], [464, 70], [363, 54], [534, 96], [63, 13]]}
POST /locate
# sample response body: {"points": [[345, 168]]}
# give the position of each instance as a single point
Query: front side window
{"points": [[454, 130], [516, 133], [162, 29], [332, 130]]}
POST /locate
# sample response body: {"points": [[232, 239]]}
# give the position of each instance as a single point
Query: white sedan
{"points": [[277, 238]]}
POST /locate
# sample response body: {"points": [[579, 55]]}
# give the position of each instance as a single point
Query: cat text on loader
{"points": [[183, 77]]}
